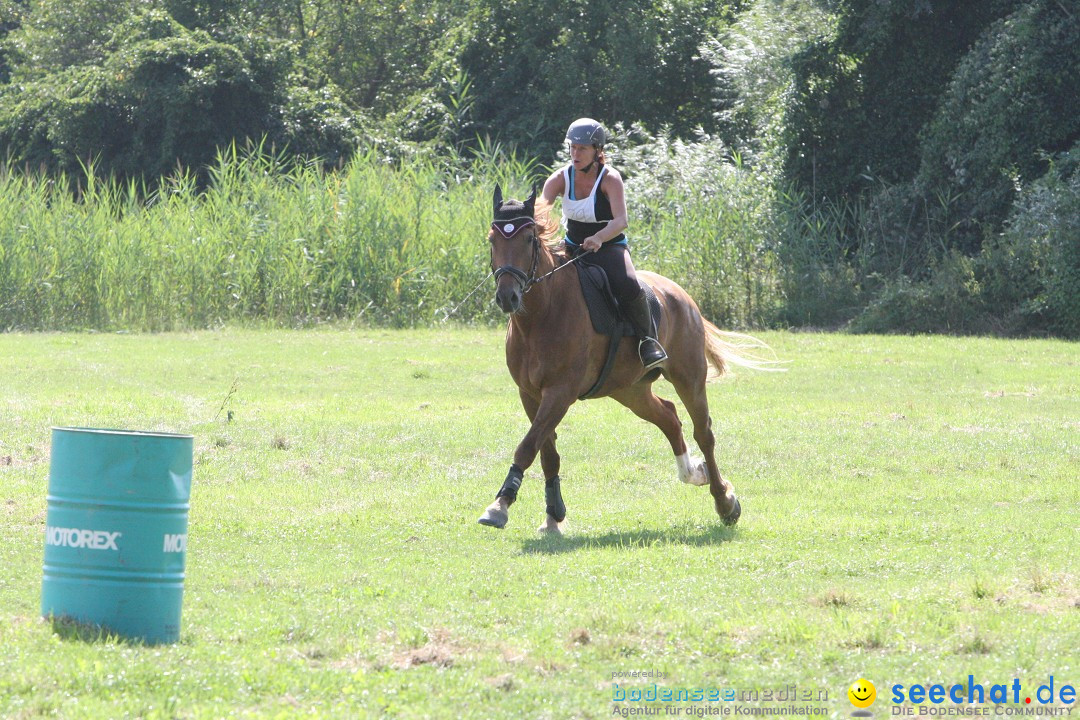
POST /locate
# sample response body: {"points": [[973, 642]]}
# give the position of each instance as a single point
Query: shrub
{"points": [[1012, 99], [949, 301], [1025, 280], [161, 96], [1037, 259]]}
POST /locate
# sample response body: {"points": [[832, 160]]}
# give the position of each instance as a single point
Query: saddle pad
{"points": [[606, 319]]}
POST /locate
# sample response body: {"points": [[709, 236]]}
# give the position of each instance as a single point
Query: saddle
{"points": [[606, 318]]}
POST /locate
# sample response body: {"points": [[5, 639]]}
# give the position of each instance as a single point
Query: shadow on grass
{"points": [[555, 544]]}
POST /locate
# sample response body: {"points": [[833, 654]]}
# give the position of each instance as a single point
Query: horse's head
{"points": [[515, 249]]}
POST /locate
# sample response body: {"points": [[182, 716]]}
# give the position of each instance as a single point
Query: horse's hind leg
{"points": [[663, 414], [692, 392]]}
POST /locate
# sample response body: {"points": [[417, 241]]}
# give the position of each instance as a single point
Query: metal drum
{"points": [[116, 533]]}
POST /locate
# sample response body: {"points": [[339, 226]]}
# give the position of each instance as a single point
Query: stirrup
{"points": [[655, 358]]}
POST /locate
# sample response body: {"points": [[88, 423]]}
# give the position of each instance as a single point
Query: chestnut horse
{"points": [[555, 357]]}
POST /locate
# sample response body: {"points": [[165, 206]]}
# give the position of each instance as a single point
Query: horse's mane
{"points": [[549, 230]]}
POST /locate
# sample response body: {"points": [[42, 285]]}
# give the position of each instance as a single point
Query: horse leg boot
{"points": [[550, 462], [556, 508], [649, 349], [553, 406], [496, 514]]}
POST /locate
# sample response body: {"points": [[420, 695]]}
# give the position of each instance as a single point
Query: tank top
{"points": [[582, 217]]}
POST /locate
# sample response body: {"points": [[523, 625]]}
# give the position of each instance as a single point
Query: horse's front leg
{"points": [[545, 416], [550, 462]]}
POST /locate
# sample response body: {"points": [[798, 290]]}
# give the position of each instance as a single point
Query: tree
{"points": [[11, 14], [862, 98], [752, 66], [1012, 104], [57, 34], [155, 94], [540, 65]]}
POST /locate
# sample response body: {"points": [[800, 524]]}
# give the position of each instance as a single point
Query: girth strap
{"points": [[613, 348]]}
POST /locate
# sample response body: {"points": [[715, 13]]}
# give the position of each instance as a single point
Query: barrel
{"points": [[116, 530]]}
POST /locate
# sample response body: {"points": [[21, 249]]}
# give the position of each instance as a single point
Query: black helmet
{"points": [[586, 131]]}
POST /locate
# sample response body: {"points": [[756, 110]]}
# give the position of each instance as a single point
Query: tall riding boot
{"points": [[649, 349]]}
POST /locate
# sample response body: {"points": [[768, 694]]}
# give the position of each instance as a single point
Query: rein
{"points": [[473, 292], [527, 281], [568, 263]]}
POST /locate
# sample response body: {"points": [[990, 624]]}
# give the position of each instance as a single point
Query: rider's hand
{"points": [[591, 244]]}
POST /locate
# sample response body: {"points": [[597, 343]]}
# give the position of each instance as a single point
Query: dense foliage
{"points": [[876, 164], [271, 240]]}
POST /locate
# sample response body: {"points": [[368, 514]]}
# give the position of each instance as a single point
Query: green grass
{"points": [[909, 516]]}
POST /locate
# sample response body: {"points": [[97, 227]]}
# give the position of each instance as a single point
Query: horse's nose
{"points": [[508, 300]]}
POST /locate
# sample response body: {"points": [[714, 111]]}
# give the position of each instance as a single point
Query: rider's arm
{"points": [[612, 186], [554, 187]]}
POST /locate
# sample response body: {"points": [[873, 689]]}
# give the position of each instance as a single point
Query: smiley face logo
{"points": [[862, 693]]}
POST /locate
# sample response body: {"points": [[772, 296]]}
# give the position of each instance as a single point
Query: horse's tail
{"points": [[723, 349]]}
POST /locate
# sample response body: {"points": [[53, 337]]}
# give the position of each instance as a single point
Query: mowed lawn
{"points": [[910, 515]]}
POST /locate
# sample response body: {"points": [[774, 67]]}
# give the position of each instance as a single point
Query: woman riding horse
{"points": [[555, 356], [594, 217]]}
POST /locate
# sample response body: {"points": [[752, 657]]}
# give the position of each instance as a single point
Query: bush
{"points": [[1042, 246], [1012, 99], [1025, 280], [316, 123], [163, 95], [950, 301]]}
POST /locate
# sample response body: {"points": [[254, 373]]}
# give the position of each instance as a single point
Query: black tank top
{"points": [[577, 231]]}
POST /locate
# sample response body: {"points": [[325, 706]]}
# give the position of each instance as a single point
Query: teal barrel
{"points": [[116, 532]]}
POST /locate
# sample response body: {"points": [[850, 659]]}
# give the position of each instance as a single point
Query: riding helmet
{"points": [[586, 131]]}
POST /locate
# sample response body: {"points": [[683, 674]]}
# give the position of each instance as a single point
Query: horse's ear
{"points": [[530, 204], [498, 198]]}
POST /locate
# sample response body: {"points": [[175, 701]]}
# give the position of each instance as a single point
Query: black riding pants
{"points": [[615, 261]]}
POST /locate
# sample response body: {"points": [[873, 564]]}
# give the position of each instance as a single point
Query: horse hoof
{"points": [[733, 517], [493, 517], [550, 527]]}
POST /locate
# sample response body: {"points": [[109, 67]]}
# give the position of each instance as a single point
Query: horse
{"points": [[555, 356]]}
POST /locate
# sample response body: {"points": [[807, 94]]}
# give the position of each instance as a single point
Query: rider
{"points": [[594, 216]]}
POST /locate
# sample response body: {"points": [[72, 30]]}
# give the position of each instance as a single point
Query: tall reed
{"points": [[282, 242]]}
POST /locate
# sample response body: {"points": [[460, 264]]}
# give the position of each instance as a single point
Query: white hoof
{"points": [[549, 527], [496, 515], [691, 470]]}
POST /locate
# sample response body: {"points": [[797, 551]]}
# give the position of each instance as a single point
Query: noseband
{"points": [[507, 230]]}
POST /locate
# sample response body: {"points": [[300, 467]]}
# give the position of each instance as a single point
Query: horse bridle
{"points": [[508, 228]]}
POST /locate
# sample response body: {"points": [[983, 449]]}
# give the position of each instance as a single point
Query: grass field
{"points": [[910, 515]]}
